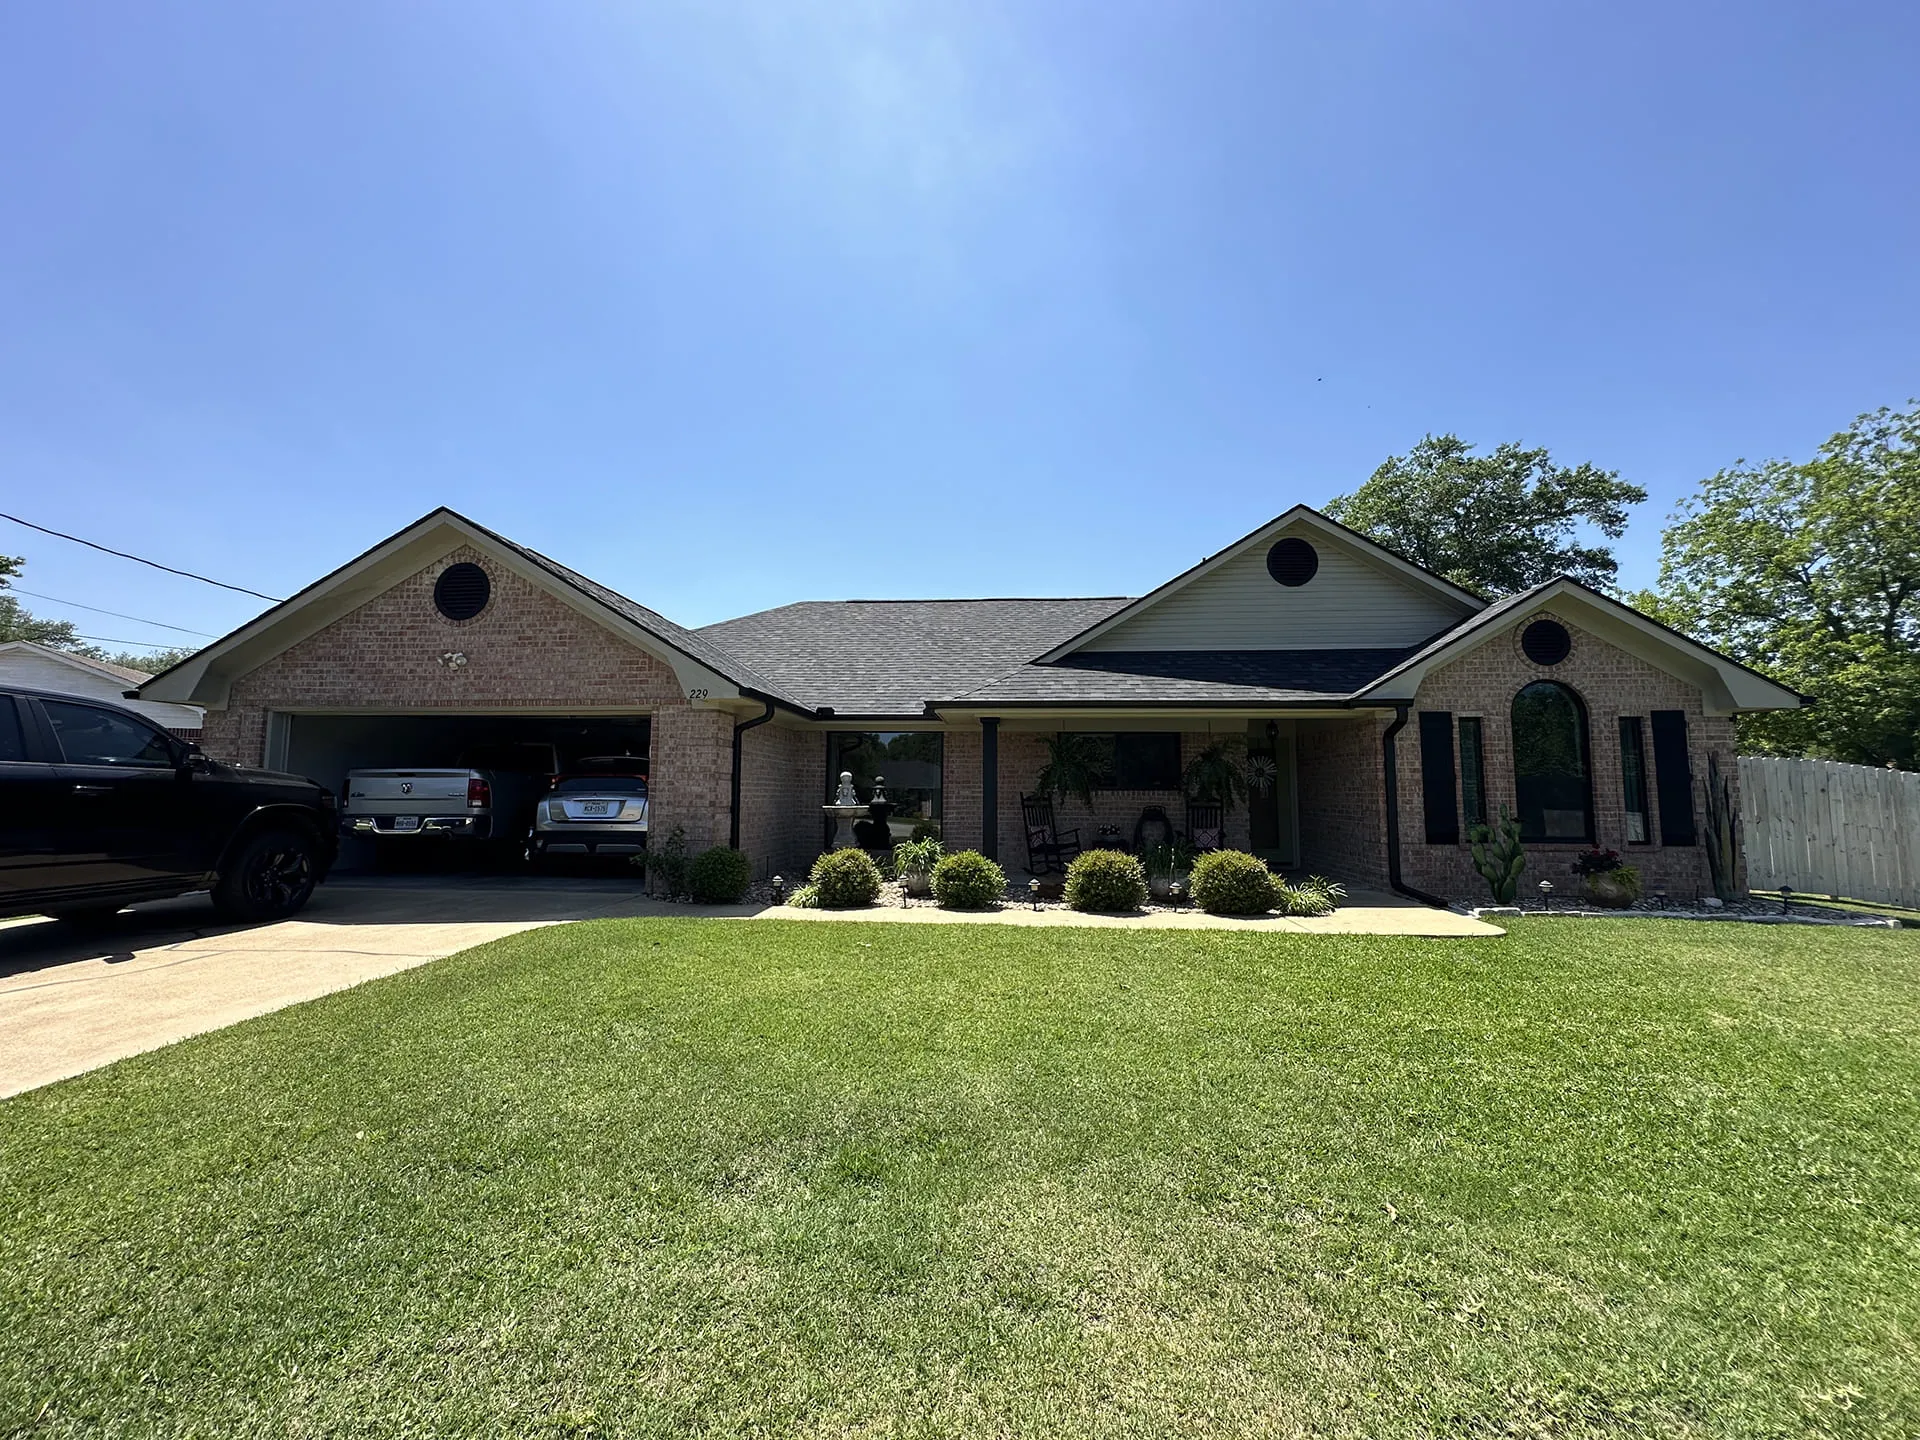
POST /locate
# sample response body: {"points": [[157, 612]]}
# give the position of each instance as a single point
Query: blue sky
{"points": [[734, 304]]}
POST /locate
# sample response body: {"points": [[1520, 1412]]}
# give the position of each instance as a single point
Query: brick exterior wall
{"points": [[1613, 683], [526, 649], [782, 775], [1342, 799]]}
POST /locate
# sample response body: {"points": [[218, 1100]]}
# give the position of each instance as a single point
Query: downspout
{"points": [[1390, 769], [740, 728]]}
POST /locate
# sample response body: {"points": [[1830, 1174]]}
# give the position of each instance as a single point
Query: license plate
{"points": [[406, 822], [597, 807]]}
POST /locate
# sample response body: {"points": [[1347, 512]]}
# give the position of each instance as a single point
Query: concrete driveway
{"points": [[72, 1001]]}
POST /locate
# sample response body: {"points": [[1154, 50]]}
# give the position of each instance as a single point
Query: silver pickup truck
{"points": [[490, 798]]}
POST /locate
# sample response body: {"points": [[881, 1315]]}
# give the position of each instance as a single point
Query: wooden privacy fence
{"points": [[1829, 829]]}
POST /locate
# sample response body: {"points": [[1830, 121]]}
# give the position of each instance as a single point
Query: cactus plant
{"points": [[1499, 859], [1722, 858]]}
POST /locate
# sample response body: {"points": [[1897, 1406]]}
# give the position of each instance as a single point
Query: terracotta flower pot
{"points": [[1608, 891]]}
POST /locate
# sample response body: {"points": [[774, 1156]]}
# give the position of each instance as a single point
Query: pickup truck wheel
{"points": [[272, 875]]}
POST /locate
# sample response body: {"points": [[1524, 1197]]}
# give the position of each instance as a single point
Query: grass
{"points": [[687, 1177]]}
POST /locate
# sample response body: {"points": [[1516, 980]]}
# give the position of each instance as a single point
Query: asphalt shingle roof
{"points": [[889, 657], [1175, 677]]}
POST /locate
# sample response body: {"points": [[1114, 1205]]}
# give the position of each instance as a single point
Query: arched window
{"points": [[1551, 777]]}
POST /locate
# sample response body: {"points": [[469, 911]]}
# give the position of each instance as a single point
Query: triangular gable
{"points": [[83, 663], [1727, 686], [1363, 594], [205, 677]]}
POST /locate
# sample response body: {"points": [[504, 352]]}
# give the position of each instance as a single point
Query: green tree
{"points": [[151, 661], [19, 623], [1810, 571], [1495, 523]]}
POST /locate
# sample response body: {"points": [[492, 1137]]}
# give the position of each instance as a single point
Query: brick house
{"points": [[1392, 709]]}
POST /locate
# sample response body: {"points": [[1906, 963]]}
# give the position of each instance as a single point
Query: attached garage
{"points": [[448, 638]]}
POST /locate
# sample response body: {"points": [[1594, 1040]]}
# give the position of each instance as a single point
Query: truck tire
{"points": [[270, 876]]}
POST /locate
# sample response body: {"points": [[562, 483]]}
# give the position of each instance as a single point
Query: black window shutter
{"points": [[1673, 777], [1436, 777]]}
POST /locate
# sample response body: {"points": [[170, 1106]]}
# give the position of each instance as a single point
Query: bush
{"points": [[967, 880], [917, 856], [718, 876], [667, 867], [844, 880], [804, 898], [1232, 882], [1315, 895], [1106, 880]]}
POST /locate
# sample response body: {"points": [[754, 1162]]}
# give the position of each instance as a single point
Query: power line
{"points": [[137, 644], [141, 559], [15, 590]]}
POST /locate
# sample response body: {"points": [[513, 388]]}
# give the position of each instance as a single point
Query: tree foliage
{"points": [[19, 623], [1810, 571], [1497, 523]]}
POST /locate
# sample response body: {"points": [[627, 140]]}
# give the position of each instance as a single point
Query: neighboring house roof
{"points": [[77, 662], [889, 657], [1187, 677], [41, 667]]}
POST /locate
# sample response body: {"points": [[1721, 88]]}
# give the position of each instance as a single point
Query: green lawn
{"points": [[692, 1177]]}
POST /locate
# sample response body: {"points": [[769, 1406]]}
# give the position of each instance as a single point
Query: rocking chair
{"points": [[1048, 846], [1206, 826]]}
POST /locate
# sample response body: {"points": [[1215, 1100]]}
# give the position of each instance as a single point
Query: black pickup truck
{"points": [[99, 807]]}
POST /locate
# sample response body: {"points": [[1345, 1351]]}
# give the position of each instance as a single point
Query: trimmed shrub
{"points": [[718, 876], [1106, 880], [967, 880], [844, 880], [1232, 882]]}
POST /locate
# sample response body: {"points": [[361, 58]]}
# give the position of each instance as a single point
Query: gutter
{"points": [[740, 728], [1390, 769]]}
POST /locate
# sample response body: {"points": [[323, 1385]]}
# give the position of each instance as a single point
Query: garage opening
{"points": [[326, 747]]}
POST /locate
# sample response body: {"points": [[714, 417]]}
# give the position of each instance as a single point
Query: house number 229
{"points": [[696, 694]]}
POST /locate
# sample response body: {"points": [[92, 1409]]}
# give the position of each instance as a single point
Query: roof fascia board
{"points": [[1299, 515]]}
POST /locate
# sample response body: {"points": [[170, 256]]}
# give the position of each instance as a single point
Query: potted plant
{"points": [[1606, 881], [913, 862], [1075, 765], [1167, 863]]}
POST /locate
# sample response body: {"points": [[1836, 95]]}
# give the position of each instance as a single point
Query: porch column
{"points": [[990, 788]]}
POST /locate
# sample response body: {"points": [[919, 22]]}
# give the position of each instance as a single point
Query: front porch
{"points": [[1324, 811]]}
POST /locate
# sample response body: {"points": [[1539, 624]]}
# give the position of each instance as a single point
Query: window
{"points": [[1436, 777], [1141, 760], [1673, 777], [1550, 772], [907, 762], [1473, 773], [13, 745], [1633, 779], [89, 735]]}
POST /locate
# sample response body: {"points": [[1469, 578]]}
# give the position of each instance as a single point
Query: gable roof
{"points": [[78, 662], [1735, 686], [1299, 515], [203, 677], [889, 657]]}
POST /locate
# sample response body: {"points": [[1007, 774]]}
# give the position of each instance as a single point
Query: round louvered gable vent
{"points": [[1546, 642], [1292, 561], [462, 591]]}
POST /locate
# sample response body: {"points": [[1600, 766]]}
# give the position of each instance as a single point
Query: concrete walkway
{"points": [[1365, 913], [71, 1001]]}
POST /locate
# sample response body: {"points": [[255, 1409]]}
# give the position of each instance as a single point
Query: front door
{"points": [[1270, 821]]}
